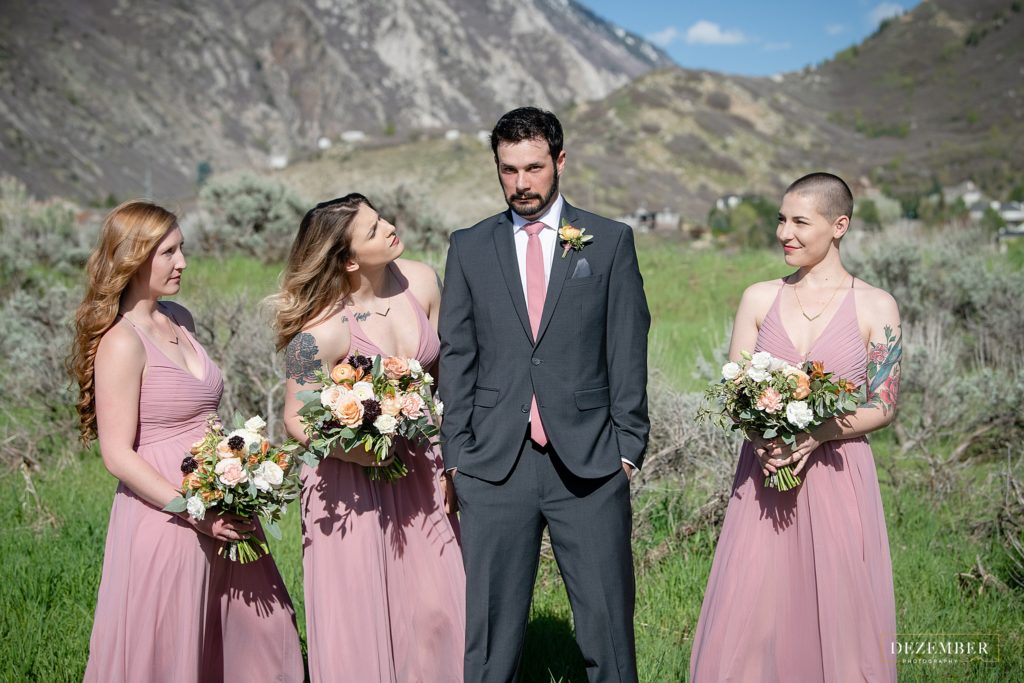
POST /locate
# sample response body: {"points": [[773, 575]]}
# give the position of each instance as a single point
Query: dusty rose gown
{"points": [[801, 585], [169, 608], [385, 585]]}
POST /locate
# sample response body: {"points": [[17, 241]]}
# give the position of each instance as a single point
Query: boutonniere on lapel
{"points": [[572, 237]]}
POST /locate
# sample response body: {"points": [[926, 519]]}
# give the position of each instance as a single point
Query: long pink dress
{"points": [[169, 608], [801, 585], [385, 585]]}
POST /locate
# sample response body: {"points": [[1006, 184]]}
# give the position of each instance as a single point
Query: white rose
{"points": [[196, 509], [730, 371], [762, 360], [255, 424], [386, 424], [363, 390], [777, 364], [799, 413], [439, 408], [428, 378], [250, 437], [267, 476], [757, 375], [789, 371], [414, 367]]}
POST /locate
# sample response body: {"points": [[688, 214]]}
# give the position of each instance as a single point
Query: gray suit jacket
{"points": [[588, 367]]}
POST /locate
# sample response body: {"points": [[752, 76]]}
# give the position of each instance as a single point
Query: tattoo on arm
{"points": [[301, 362], [884, 371]]}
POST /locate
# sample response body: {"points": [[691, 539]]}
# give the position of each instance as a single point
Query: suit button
{"points": [[525, 408], [536, 361]]}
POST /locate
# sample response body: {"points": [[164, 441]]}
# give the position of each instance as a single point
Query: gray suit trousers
{"points": [[589, 521]]}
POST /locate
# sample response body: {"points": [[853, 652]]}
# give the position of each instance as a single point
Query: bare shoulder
{"points": [[418, 273], [327, 337], [181, 314], [759, 296], [875, 301], [121, 346]]}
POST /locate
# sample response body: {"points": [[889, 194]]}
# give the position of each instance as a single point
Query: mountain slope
{"points": [[119, 96]]}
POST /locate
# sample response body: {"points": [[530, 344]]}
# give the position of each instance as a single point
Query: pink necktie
{"points": [[536, 289]]}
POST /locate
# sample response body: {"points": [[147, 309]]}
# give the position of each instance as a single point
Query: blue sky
{"points": [[750, 37]]}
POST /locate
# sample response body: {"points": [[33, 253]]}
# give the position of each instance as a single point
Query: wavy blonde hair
{"points": [[314, 277], [129, 235]]}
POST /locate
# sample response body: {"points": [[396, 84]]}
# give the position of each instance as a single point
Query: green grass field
{"points": [[51, 542]]}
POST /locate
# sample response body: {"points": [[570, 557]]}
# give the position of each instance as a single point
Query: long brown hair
{"points": [[129, 235], [314, 278]]}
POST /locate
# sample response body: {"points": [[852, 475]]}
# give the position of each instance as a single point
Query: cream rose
{"points": [[731, 371], [363, 390], [330, 397], [267, 476], [255, 424], [391, 406], [386, 424], [349, 410], [230, 472]]}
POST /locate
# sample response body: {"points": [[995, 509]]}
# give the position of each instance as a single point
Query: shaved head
{"points": [[831, 194]]}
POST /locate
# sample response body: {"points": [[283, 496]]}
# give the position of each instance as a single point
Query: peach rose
{"points": [[230, 472], [331, 396], [395, 367], [349, 411], [391, 406], [224, 450], [412, 405], [770, 401], [569, 233], [343, 373]]}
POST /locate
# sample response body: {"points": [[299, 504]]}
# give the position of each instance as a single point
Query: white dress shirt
{"points": [[548, 239]]}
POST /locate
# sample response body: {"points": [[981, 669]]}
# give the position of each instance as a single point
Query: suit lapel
{"points": [[505, 247], [560, 269]]}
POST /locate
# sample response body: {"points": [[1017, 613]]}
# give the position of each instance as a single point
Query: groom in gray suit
{"points": [[544, 375]]}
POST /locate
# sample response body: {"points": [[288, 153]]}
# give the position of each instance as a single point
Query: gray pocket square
{"points": [[582, 268]]}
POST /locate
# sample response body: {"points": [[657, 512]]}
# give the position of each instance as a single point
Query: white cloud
{"points": [[775, 47], [883, 11], [834, 29], [710, 33], [663, 37]]}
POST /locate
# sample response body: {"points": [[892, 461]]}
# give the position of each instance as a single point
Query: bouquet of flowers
{"points": [[767, 396], [369, 402], [239, 473]]}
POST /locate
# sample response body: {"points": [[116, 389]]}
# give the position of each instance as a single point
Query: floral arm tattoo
{"points": [[301, 362], [884, 371]]}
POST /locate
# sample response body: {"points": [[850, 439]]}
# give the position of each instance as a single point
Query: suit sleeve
{"points": [[629, 321], [458, 367]]}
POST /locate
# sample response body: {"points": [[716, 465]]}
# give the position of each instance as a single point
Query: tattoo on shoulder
{"points": [[361, 316], [884, 370], [301, 362]]}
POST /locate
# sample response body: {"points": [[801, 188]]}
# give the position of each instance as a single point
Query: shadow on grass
{"points": [[550, 652]]}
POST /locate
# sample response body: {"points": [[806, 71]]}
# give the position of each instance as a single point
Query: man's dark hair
{"points": [[528, 123], [832, 195]]}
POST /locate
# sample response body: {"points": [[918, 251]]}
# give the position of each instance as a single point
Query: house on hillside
{"points": [[642, 220]]}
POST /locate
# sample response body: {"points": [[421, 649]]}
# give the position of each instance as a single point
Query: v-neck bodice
{"points": [[427, 350], [839, 346]]}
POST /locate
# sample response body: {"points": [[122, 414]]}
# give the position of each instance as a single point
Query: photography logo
{"points": [[944, 648]]}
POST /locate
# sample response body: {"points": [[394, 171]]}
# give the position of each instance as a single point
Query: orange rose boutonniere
{"points": [[572, 237]]}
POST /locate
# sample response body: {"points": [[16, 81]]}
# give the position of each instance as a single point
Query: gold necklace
{"points": [[173, 331], [812, 318]]}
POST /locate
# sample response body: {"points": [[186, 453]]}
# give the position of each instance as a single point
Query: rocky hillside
{"points": [[123, 97]]}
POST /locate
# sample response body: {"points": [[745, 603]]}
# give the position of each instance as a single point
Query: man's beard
{"points": [[531, 205]]}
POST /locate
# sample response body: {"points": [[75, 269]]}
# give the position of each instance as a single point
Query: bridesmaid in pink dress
{"points": [[801, 585], [384, 579], [169, 608]]}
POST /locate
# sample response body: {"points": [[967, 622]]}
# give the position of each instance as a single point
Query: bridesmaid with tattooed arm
{"points": [[382, 561], [801, 585]]}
